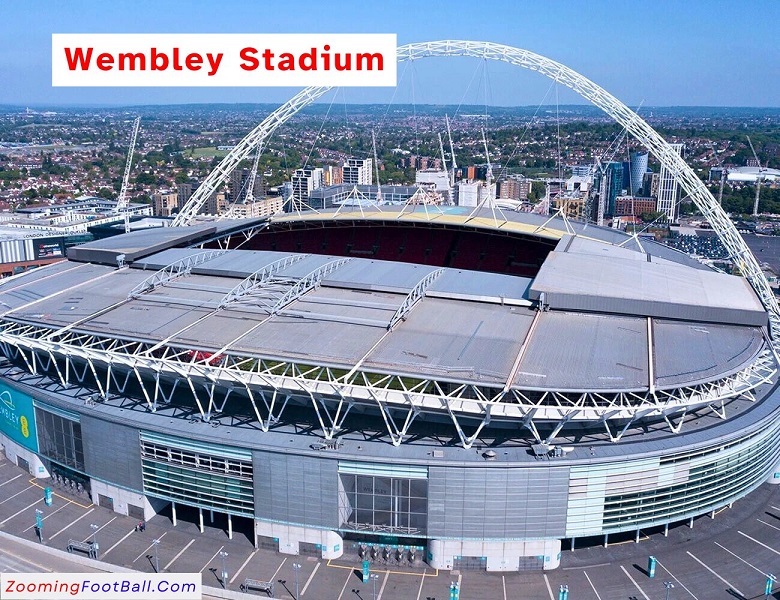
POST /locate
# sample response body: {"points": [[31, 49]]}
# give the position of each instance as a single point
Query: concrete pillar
{"points": [[572, 544], [173, 512], [211, 516], [666, 530], [200, 519], [690, 523], [606, 540], [636, 540], [230, 527]]}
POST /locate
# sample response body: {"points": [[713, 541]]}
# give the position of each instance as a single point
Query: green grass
{"points": [[211, 151]]}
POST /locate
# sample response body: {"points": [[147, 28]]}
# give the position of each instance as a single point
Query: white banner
{"points": [[101, 586], [242, 60]]}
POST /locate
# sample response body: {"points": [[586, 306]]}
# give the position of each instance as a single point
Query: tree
{"points": [[145, 178], [649, 217], [537, 191], [106, 193]]}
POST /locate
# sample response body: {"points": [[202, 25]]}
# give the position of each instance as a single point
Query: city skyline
{"points": [[670, 54]]}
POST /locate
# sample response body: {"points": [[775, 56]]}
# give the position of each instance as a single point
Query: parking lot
{"points": [[727, 556]]}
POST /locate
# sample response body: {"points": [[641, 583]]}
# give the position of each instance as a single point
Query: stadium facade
{"points": [[400, 384]]}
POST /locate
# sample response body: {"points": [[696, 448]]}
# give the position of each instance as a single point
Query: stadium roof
{"points": [[467, 327], [595, 335]]}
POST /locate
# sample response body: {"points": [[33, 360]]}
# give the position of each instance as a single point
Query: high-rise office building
{"points": [[612, 186], [358, 171], [637, 170], [668, 189]]}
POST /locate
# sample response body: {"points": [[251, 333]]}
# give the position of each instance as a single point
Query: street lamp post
{"points": [[224, 554], [296, 567], [669, 585], [95, 546], [156, 543], [39, 523], [374, 577]]}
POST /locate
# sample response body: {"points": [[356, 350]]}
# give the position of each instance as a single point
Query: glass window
{"points": [[198, 479], [60, 439], [383, 504]]}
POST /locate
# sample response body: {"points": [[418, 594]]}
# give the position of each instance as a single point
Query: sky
{"points": [[659, 53]]}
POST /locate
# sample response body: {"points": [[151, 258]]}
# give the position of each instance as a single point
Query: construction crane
{"points": [[452, 153], [758, 177], [376, 168], [723, 173], [444, 168], [489, 171], [250, 184], [122, 201]]}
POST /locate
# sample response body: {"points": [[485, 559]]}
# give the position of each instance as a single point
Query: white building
{"points": [[304, 181], [669, 190], [472, 193], [358, 171], [437, 180], [257, 208], [750, 174], [579, 183]]}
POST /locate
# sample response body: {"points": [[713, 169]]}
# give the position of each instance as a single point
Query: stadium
{"points": [[470, 389]]}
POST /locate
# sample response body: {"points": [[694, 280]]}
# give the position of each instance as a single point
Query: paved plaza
{"points": [[722, 557]]}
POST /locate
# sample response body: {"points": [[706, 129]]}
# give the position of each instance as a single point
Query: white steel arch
{"points": [[634, 124]]}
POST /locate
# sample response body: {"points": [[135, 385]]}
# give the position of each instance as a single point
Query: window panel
{"points": [[382, 504]]}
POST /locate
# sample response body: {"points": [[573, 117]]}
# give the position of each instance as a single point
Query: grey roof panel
{"points": [[37, 273], [475, 285], [577, 351], [573, 281], [457, 340], [311, 340], [40, 283], [95, 293], [690, 352], [217, 331], [144, 320], [378, 275], [347, 305], [308, 264], [318, 312], [137, 244], [575, 244], [237, 264]]}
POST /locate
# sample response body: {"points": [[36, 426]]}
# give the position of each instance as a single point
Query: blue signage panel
{"points": [[17, 417]]}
